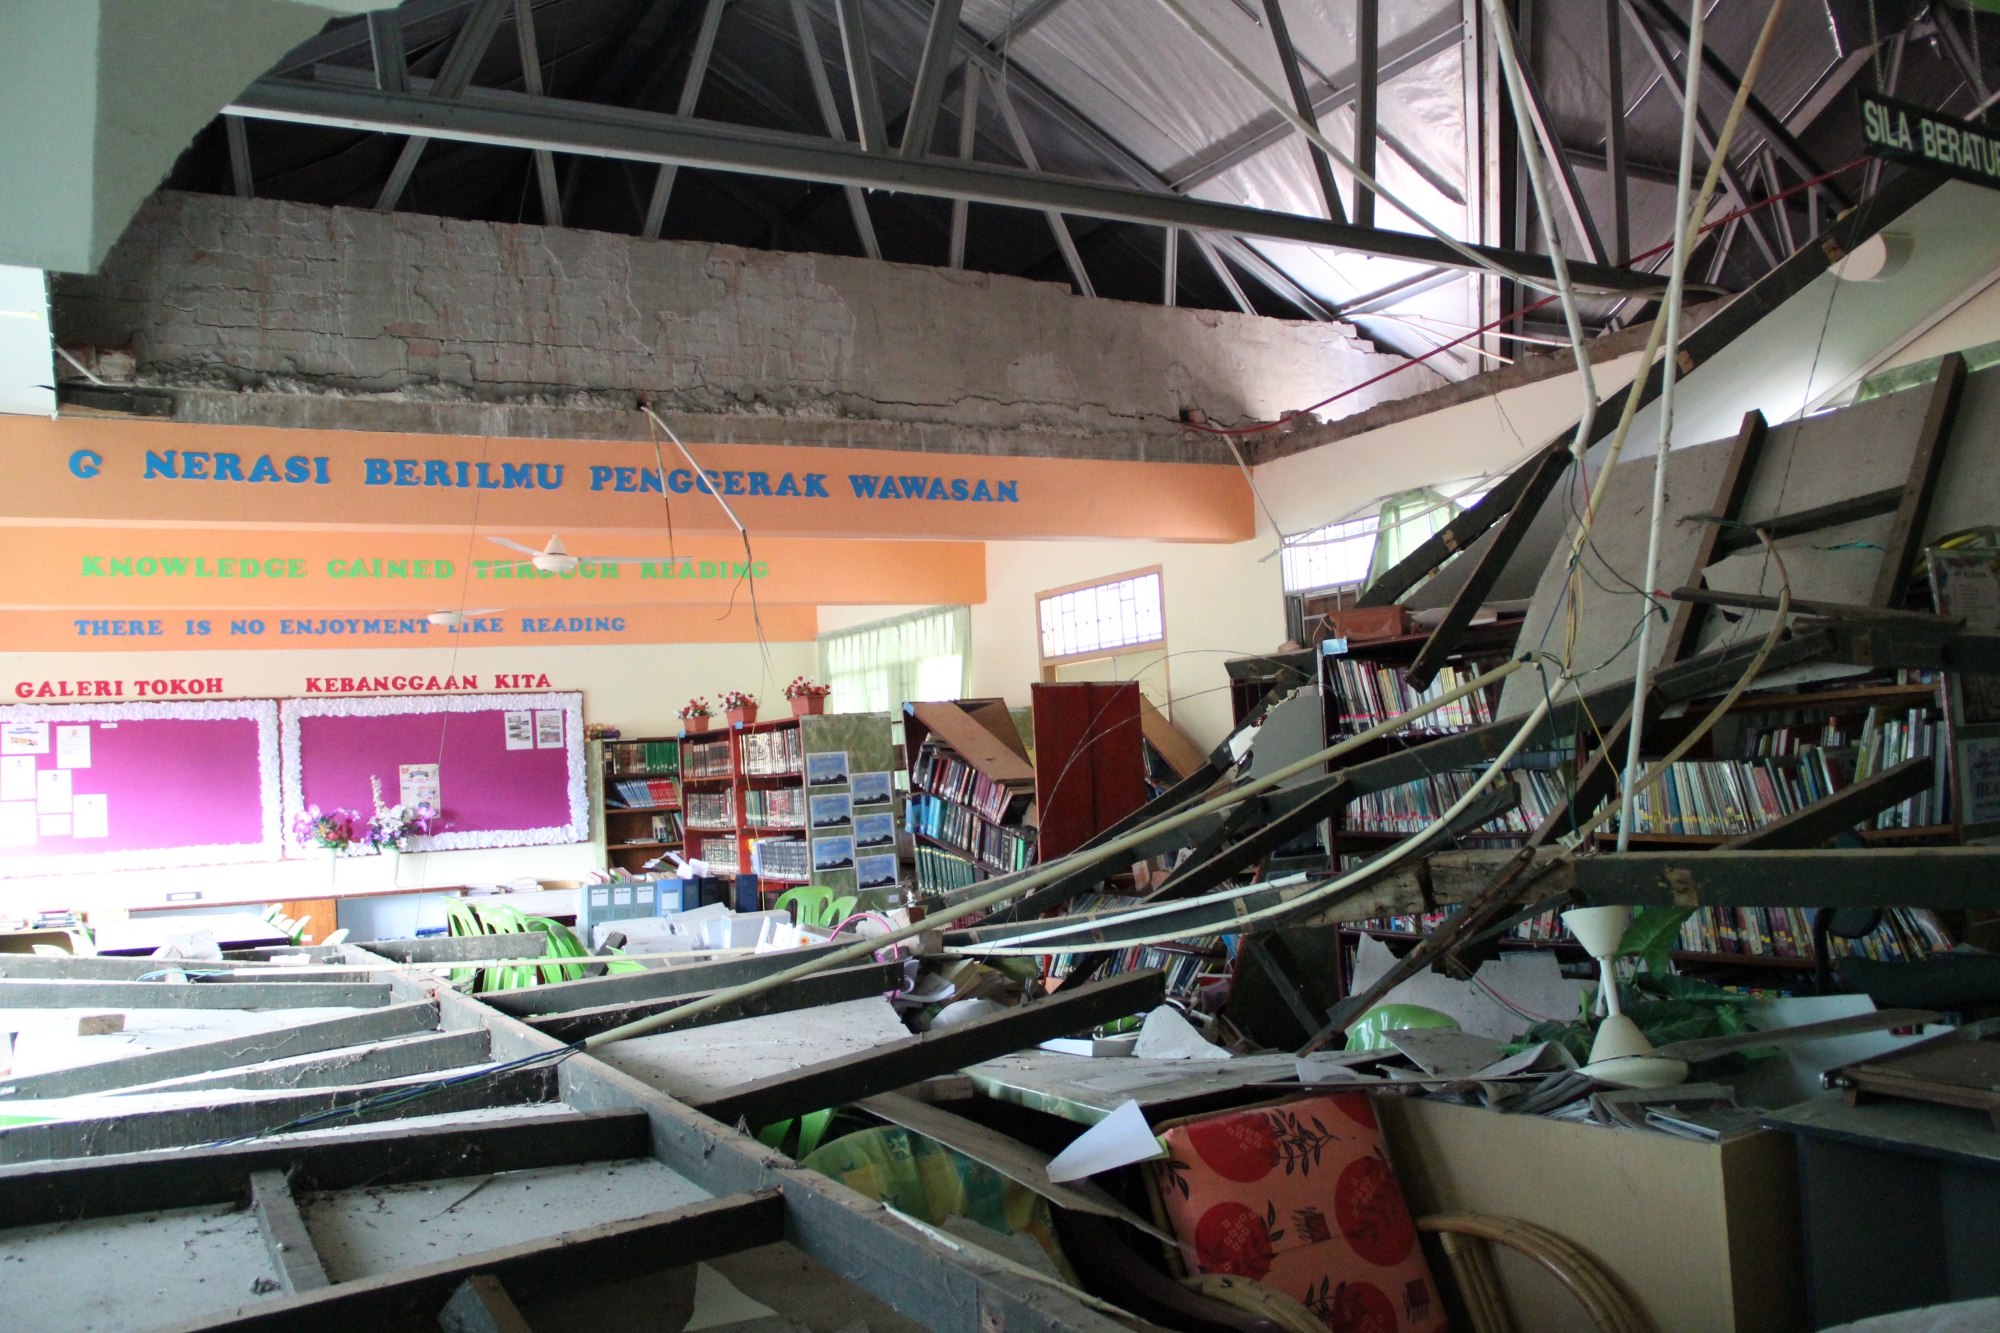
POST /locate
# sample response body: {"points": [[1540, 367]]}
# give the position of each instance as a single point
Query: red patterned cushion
{"points": [[1300, 1196]]}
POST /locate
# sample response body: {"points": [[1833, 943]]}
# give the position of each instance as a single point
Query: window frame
{"points": [[1049, 664]]}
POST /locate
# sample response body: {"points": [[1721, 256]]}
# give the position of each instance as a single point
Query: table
{"points": [[1085, 1089], [1901, 1204]]}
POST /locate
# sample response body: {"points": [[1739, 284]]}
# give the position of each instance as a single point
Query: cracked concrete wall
{"points": [[223, 293]]}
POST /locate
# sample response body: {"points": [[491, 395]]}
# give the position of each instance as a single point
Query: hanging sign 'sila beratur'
{"points": [[1905, 132]]}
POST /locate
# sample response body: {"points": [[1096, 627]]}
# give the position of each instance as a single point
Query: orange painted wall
{"points": [[82, 469]]}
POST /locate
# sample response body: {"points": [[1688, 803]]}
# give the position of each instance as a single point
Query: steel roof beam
{"points": [[515, 120]]}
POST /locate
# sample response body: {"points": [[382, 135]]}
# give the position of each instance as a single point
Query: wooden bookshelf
{"points": [[727, 770], [941, 741], [630, 829]]}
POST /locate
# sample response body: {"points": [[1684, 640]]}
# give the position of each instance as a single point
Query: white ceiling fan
{"points": [[556, 559]]}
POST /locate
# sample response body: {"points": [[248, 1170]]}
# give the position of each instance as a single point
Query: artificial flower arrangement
{"points": [[697, 707], [808, 696], [334, 830], [394, 825], [740, 708]]}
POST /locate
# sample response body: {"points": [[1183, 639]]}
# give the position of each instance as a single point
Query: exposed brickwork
{"points": [[213, 292]]}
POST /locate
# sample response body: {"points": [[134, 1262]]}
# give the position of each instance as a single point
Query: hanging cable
{"points": [[1670, 368]]}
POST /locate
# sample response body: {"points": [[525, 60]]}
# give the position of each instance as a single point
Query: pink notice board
{"points": [[137, 786], [509, 766]]}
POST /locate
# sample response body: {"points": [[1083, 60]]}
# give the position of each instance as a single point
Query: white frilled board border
{"points": [[264, 712], [570, 702]]}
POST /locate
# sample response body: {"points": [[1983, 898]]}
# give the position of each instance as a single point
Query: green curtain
{"points": [[1408, 519], [880, 666]]}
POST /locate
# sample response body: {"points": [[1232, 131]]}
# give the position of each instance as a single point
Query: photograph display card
{"points": [[417, 784], [830, 810], [833, 853], [17, 777], [520, 725], [826, 769], [24, 738], [875, 872], [874, 830], [872, 788], [548, 729]]}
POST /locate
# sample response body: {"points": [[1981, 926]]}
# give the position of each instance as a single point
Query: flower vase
{"points": [[393, 856], [694, 726], [808, 705], [743, 717]]}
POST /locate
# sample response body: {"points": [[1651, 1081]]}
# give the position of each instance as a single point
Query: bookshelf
{"points": [[1362, 684], [971, 791], [642, 805], [796, 800]]}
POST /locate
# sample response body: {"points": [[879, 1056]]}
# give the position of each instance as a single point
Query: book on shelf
{"points": [[940, 871], [706, 756], [1907, 934], [1187, 962], [942, 773], [1411, 807], [1373, 692], [720, 853], [772, 754], [667, 828], [784, 808], [1002, 849], [1728, 797], [638, 793], [780, 858], [711, 809], [643, 758]]}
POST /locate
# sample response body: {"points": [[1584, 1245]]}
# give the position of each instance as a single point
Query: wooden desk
{"points": [[1901, 1203], [143, 934]]}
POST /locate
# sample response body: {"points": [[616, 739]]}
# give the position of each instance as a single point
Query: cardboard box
{"points": [[1704, 1236]]}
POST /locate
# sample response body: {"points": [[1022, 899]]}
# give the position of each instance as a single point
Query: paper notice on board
{"points": [[91, 816], [73, 747], [17, 777], [520, 730], [548, 729], [24, 738], [418, 785], [17, 823], [52, 791], [53, 826]]}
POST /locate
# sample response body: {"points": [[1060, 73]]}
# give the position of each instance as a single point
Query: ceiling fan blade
{"points": [[515, 546], [626, 559]]}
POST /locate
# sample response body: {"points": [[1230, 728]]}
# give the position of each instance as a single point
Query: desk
{"points": [[143, 934], [1086, 1089], [1901, 1202]]}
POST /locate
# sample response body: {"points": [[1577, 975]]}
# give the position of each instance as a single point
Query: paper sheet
{"points": [[17, 823], [73, 747], [91, 815], [1165, 1035], [520, 729], [548, 729], [17, 777], [52, 791], [1120, 1139], [417, 784], [53, 826], [24, 737]]}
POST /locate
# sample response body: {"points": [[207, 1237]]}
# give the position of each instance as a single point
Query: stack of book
{"points": [[707, 758], [644, 793], [644, 757], [944, 774], [711, 810], [939, 871], [666, 828], [772, 754], [1732, 796], [784, 808], [999, 849], [1374, 692], [780, 858], [1907, 934], [1888, 741]]}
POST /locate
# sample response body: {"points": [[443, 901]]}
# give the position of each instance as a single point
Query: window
{"points": [[879, 667], [1332, 556], [1100, 619]]}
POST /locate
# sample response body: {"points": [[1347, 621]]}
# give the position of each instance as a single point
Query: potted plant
{"points": [[334, 830], [739, 708], [695, 715], [391, 827], [808, 696]]}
